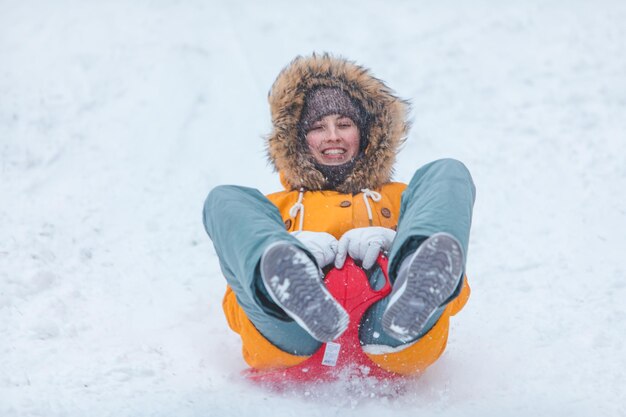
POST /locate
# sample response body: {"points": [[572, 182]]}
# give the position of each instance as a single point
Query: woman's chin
{"points": [[333, 161]]}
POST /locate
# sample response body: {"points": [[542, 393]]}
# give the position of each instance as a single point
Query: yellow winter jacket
{"points": [[336, 213]]}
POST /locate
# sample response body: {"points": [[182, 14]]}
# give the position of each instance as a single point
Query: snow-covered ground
{"points": [[118, 117]]}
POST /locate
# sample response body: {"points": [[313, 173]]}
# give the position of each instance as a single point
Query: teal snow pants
{"points": [[242, 222]]}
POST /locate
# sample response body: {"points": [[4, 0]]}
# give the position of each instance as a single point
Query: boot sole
{"points": [[293, 282], [433, 275]]}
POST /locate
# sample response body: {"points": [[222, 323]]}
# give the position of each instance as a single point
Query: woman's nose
{"points": [[333, 133]]}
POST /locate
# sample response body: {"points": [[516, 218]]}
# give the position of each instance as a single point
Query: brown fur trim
{"points": [[386, 120]]}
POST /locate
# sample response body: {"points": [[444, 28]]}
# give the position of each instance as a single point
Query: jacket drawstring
{"points": [[375, 197], [298, 207]]}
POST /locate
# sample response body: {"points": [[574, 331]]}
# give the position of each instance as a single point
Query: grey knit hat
{"points": [[329, 100]]}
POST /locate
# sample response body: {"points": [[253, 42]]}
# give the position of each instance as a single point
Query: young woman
{"points": [[336, 132]]}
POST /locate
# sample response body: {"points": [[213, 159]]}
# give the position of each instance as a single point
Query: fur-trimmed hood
{"points": [[386, 123]]}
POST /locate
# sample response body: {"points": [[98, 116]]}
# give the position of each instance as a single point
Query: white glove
{"points": [[322, 245], [364, 244]]}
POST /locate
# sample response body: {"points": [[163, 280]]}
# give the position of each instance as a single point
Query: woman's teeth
{"points": [[334, 152]]}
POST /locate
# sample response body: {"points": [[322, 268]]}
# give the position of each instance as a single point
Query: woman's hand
{"points": [[364, 244], [322, 245]]}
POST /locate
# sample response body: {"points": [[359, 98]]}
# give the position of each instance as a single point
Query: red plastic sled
{"points": [[344, 356]]}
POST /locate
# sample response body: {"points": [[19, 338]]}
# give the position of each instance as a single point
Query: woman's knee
{"points": [[443, 168], [216, 198], [218, 194], [451, 165]]}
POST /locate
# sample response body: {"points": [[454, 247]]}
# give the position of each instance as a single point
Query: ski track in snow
{"points": [[117, 118]]}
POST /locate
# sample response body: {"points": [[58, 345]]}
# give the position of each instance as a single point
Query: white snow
{"points": [[117, 118], [281, 290]]}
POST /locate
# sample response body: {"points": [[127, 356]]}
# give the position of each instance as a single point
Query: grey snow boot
{"points": [[294, 282], [426, 280]]}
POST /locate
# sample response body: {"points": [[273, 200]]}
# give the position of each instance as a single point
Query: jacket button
{"points": [[345, 203], [288, 224], [385, 212]]}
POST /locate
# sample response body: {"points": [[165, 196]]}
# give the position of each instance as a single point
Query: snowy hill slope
{"points": [[117, 118]]}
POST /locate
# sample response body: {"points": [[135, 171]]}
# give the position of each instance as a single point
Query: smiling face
{"points": [[333, 140]]}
